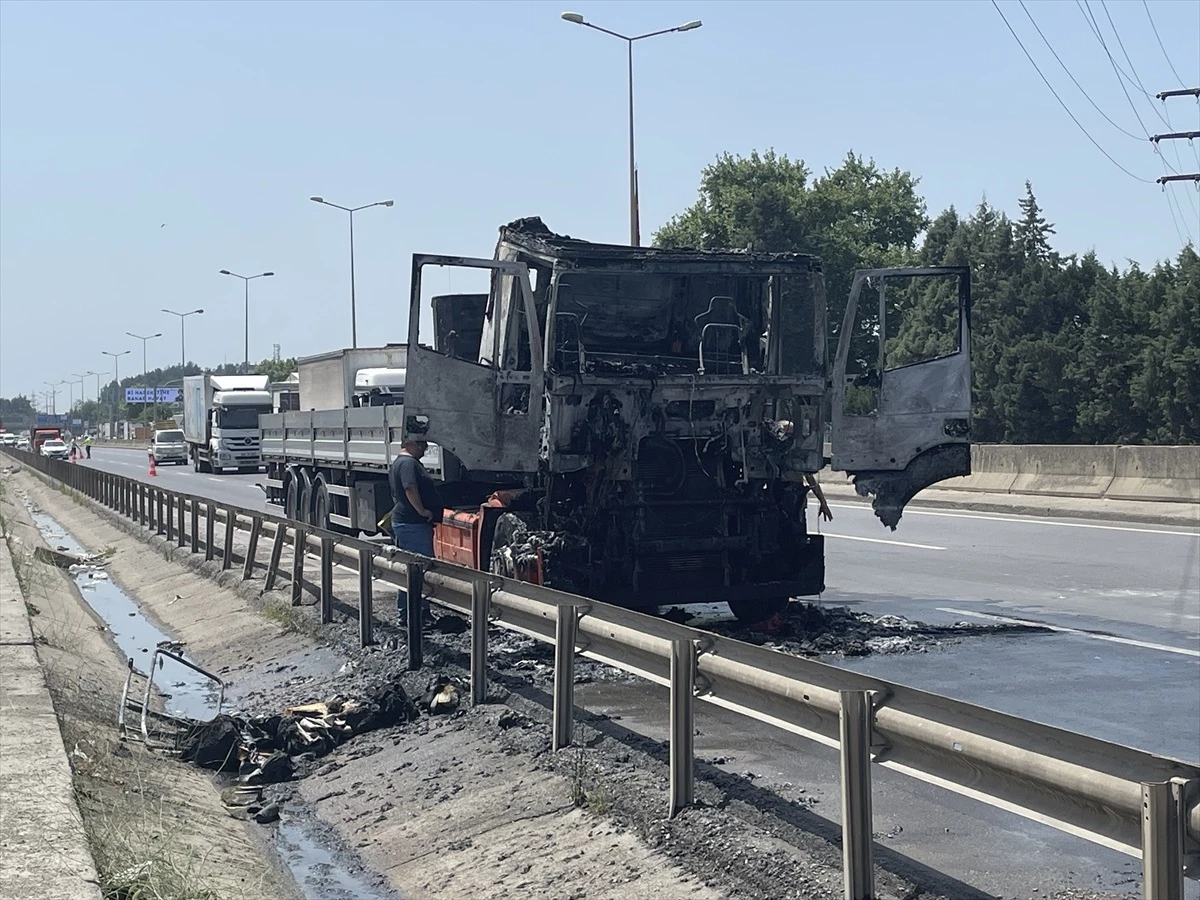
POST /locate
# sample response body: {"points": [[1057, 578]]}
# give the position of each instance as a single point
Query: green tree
{"points": [[276, 369], [854, 216]]}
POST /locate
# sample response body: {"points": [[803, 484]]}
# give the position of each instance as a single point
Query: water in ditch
{"points": [[318, 870], [184, 692]]}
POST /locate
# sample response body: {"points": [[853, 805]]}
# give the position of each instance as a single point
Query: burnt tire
{"points": [[751, 611], [511, 532]]}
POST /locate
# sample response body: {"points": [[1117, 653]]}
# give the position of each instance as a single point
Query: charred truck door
{"points": [[471, 401], [901, 399]]}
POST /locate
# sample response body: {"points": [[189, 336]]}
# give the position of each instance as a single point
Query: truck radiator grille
{"points": [[676, 571]]}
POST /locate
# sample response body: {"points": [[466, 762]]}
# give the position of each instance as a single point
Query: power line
{"points": [[1125, 53], [1138, 84], [1072, 77], [1146, 6], [1066, 109]]}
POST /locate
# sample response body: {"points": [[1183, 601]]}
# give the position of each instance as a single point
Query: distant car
{"points": [[8, 440], [169, 446], [23, 443], [55, 449]]}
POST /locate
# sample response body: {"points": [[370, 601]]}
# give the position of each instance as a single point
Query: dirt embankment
{"points": [[156, 828], [438, 807], [472, 804]]}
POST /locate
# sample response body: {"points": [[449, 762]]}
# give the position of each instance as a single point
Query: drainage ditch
{"points": [[308, 851]]}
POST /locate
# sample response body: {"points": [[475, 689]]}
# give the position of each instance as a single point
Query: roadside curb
{"points": [[42, 839], [1188, 516]]}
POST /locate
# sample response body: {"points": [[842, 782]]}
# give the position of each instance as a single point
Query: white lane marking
{"points": [[212, 478], [1025, 520], [850, 537], [1148, 645]]}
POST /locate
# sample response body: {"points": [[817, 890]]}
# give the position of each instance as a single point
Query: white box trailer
{"points": [[327, 462], [220, 420]]}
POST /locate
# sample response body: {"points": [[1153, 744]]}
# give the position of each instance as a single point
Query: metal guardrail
{"points": [[1142, 804]]}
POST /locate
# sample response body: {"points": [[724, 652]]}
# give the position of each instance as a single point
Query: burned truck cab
{"points": [[636, 424], [647, 415]]}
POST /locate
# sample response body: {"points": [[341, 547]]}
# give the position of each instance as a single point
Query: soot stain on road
{"points": [[812, 630]]}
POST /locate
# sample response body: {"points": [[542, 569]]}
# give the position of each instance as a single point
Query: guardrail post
{"points": [[252, 549], [366, 596], [298, 566], [141, 519], [415, 586], [326, 580], [160, 502], [683, 731], [194, 522], [227, 548], [481, 601], [1163, 819], [209, 531], [858, 869], [276, 555], [566, 627], [179, 535], [170, 517]]}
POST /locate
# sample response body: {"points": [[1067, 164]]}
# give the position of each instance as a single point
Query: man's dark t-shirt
{"points": [[408, 472]]}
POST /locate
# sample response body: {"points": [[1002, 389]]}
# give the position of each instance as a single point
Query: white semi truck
{"points": [[220, 420]]}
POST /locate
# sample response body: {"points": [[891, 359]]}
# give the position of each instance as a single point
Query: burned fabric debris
{"points": [[260, 748]]}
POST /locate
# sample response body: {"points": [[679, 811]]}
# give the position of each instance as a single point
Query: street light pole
{"points": [[97, 374], [82, 390], [578, 19], [246, 279], [182, 345], [116, 358], [145, 379], [352, 211], [53, 392]]}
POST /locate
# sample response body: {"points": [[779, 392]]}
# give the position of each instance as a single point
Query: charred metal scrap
{"points": [[260, 749]]}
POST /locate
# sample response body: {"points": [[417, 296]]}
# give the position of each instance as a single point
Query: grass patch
{"points": [[128, 798], [587, 791]]}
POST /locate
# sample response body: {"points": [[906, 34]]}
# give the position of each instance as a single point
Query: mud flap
{"points": [[891, 491]]}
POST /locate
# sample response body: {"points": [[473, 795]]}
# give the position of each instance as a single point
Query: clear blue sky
{"points": [[220, 119]]}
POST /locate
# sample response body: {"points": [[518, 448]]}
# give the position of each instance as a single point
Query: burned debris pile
{"points": [[262, 749], [807, 629]]}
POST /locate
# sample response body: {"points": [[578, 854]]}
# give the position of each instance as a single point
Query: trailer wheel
{"points": [[752, 611], [320, 505], [305, 507], [291, 496]]}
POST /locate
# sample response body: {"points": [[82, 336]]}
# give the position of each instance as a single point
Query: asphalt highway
{"points": [[1122, 664]]}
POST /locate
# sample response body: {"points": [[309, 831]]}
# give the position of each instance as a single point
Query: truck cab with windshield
{"points": [[640, 421]]}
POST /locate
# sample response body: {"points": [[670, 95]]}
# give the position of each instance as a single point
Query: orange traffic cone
{"points": [[153, 469]]}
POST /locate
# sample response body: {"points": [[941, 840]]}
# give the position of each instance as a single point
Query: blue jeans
{"points": [[414, 539]]}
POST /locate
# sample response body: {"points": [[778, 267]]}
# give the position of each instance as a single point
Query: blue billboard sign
{"points": [[147, 395]]}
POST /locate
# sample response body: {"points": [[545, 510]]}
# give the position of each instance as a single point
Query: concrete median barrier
{"points": [[993, 470], [1063, 470], [1170, 474]]}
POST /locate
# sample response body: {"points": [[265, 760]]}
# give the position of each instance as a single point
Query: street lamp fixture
{"points": [[352, 210], [577, 19], [246, 279], [182, 345]]}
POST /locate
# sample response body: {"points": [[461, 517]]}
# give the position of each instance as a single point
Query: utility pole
{"points": [[1177, 136]]}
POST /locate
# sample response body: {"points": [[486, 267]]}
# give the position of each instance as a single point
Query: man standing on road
{"points": [[417, 508], [87, 445]]}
